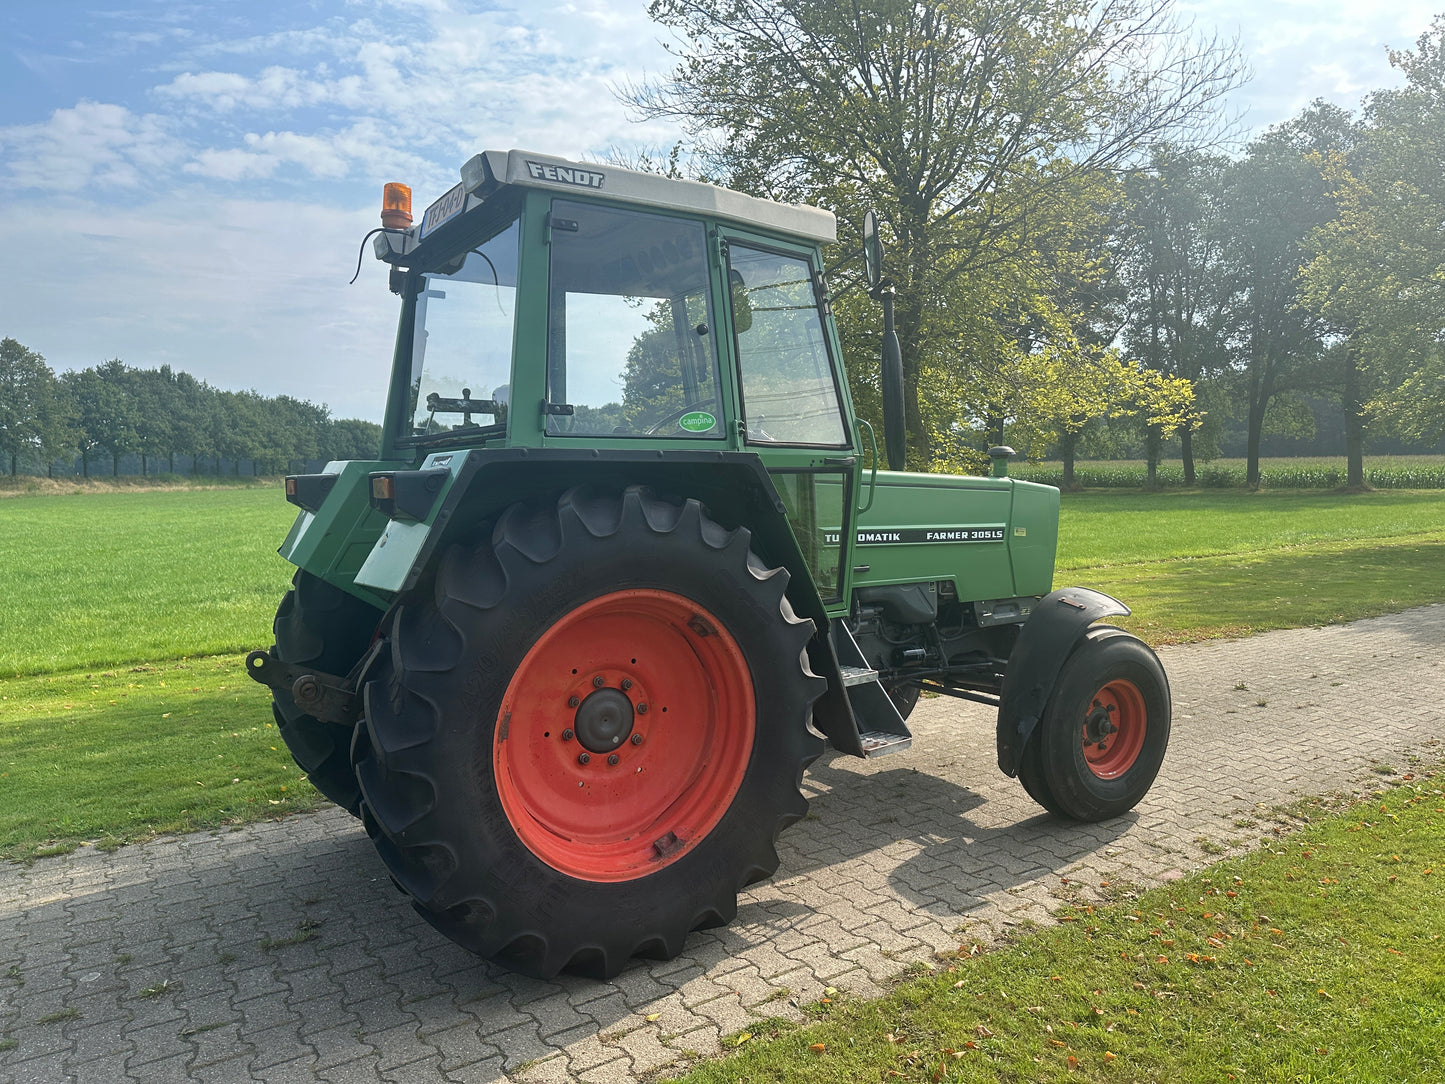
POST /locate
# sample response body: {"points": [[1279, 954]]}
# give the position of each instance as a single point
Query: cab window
{"points": [[789, 394], [630, 342]]}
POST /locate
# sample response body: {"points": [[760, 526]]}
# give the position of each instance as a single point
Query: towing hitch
{"points": [[326, 697]]}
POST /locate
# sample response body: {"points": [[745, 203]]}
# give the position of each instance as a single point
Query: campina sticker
{"points": [[696, 421]]}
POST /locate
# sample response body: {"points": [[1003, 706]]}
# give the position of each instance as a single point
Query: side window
{"points": [[630, 328], [789, 395], [816, 503]]}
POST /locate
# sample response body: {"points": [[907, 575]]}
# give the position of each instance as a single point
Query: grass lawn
{"points": [[118, 755], [1104, 529], [1199, 565], [114, 578], [1315, 959]]}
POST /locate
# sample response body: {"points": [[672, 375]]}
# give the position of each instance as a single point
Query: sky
{"points": [[187, 182]]}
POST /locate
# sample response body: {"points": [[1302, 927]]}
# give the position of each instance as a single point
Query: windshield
{"points": [[461, 359]]}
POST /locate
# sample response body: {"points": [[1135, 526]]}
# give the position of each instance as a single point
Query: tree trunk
{"points": [[1152, 443], [1354, 422], [1254, 426], [84, 465], [114, 465], [1068, 448], [143, 465], [1186, 451]]}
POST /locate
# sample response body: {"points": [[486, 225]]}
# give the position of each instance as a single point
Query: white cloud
{"points": [[91, 144], [242, 293]]}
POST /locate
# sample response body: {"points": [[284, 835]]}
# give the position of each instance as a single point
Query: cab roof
{"points": [[491, 169]]}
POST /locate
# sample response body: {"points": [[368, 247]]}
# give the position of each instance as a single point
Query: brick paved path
{"points": [[184, 959]]}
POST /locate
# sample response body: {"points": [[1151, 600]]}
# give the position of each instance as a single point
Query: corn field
{"points": [[1381, 472]]}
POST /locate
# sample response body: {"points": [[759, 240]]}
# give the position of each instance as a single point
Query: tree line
{"points": [[1078, 263], [113, 411]]}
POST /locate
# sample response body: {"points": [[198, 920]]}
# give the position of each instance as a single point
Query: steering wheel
{"points": [[677, 414]]}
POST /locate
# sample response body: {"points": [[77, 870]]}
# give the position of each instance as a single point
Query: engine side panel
{"points": [[992, 538]]}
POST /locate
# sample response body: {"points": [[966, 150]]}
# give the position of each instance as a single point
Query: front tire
{"points": [[1102, 736], [588, 738]]}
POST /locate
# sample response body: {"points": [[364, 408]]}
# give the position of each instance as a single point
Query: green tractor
{"points": [[627, 563]]}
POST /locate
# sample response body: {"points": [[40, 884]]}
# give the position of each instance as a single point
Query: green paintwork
{"points": [[334, 542], [1021, 563], [819, 488]]}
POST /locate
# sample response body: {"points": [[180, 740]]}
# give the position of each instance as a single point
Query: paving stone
{"points": [[911, 855]]}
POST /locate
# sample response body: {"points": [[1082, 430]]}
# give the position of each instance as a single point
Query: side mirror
{"points": [[872, 250], [742, 307]]}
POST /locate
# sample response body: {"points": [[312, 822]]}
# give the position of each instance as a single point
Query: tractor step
{"points": [[857, 675], [877, 743], [881, 729]]}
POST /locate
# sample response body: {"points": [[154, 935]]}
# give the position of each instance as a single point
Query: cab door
{"points": [[793, 408]]}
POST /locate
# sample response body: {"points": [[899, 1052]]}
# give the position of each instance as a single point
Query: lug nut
{"points": [[641, 709], [599, 681], [613, 759], [637, 739], [573, 701], [627, 683], [583, 758], [567, 734]]}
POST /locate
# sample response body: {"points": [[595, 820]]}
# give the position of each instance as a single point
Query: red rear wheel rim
{"points": [[658, 696], [1114, 727]]}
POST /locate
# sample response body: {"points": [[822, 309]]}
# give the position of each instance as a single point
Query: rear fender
{"points": [[1058, 622], [734, 486]]}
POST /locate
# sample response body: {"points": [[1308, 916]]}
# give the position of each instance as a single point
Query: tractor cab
{"points": [[551, 306]]}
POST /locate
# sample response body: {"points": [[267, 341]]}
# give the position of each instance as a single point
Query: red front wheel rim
{"points": [[1115, 723], [624, 735]]}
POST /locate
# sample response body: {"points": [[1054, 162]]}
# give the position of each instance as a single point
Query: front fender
{"points": [[1049, 635]]}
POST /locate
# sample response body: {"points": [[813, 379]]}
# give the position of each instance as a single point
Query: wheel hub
{"points": [[604, 720], [1097, 724], [1114, 729]]}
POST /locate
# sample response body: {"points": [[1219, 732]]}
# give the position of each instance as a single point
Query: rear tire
{"points": [[1103, 733], [322, 626], [607, 618]]}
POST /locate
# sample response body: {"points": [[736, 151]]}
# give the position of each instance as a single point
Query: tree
{"points": [[965, 124], [34, 415], [351, 438], [105, 410], [1378, 268], [194, 403], [156, 405], [1177, 277], [1273, 201]]}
